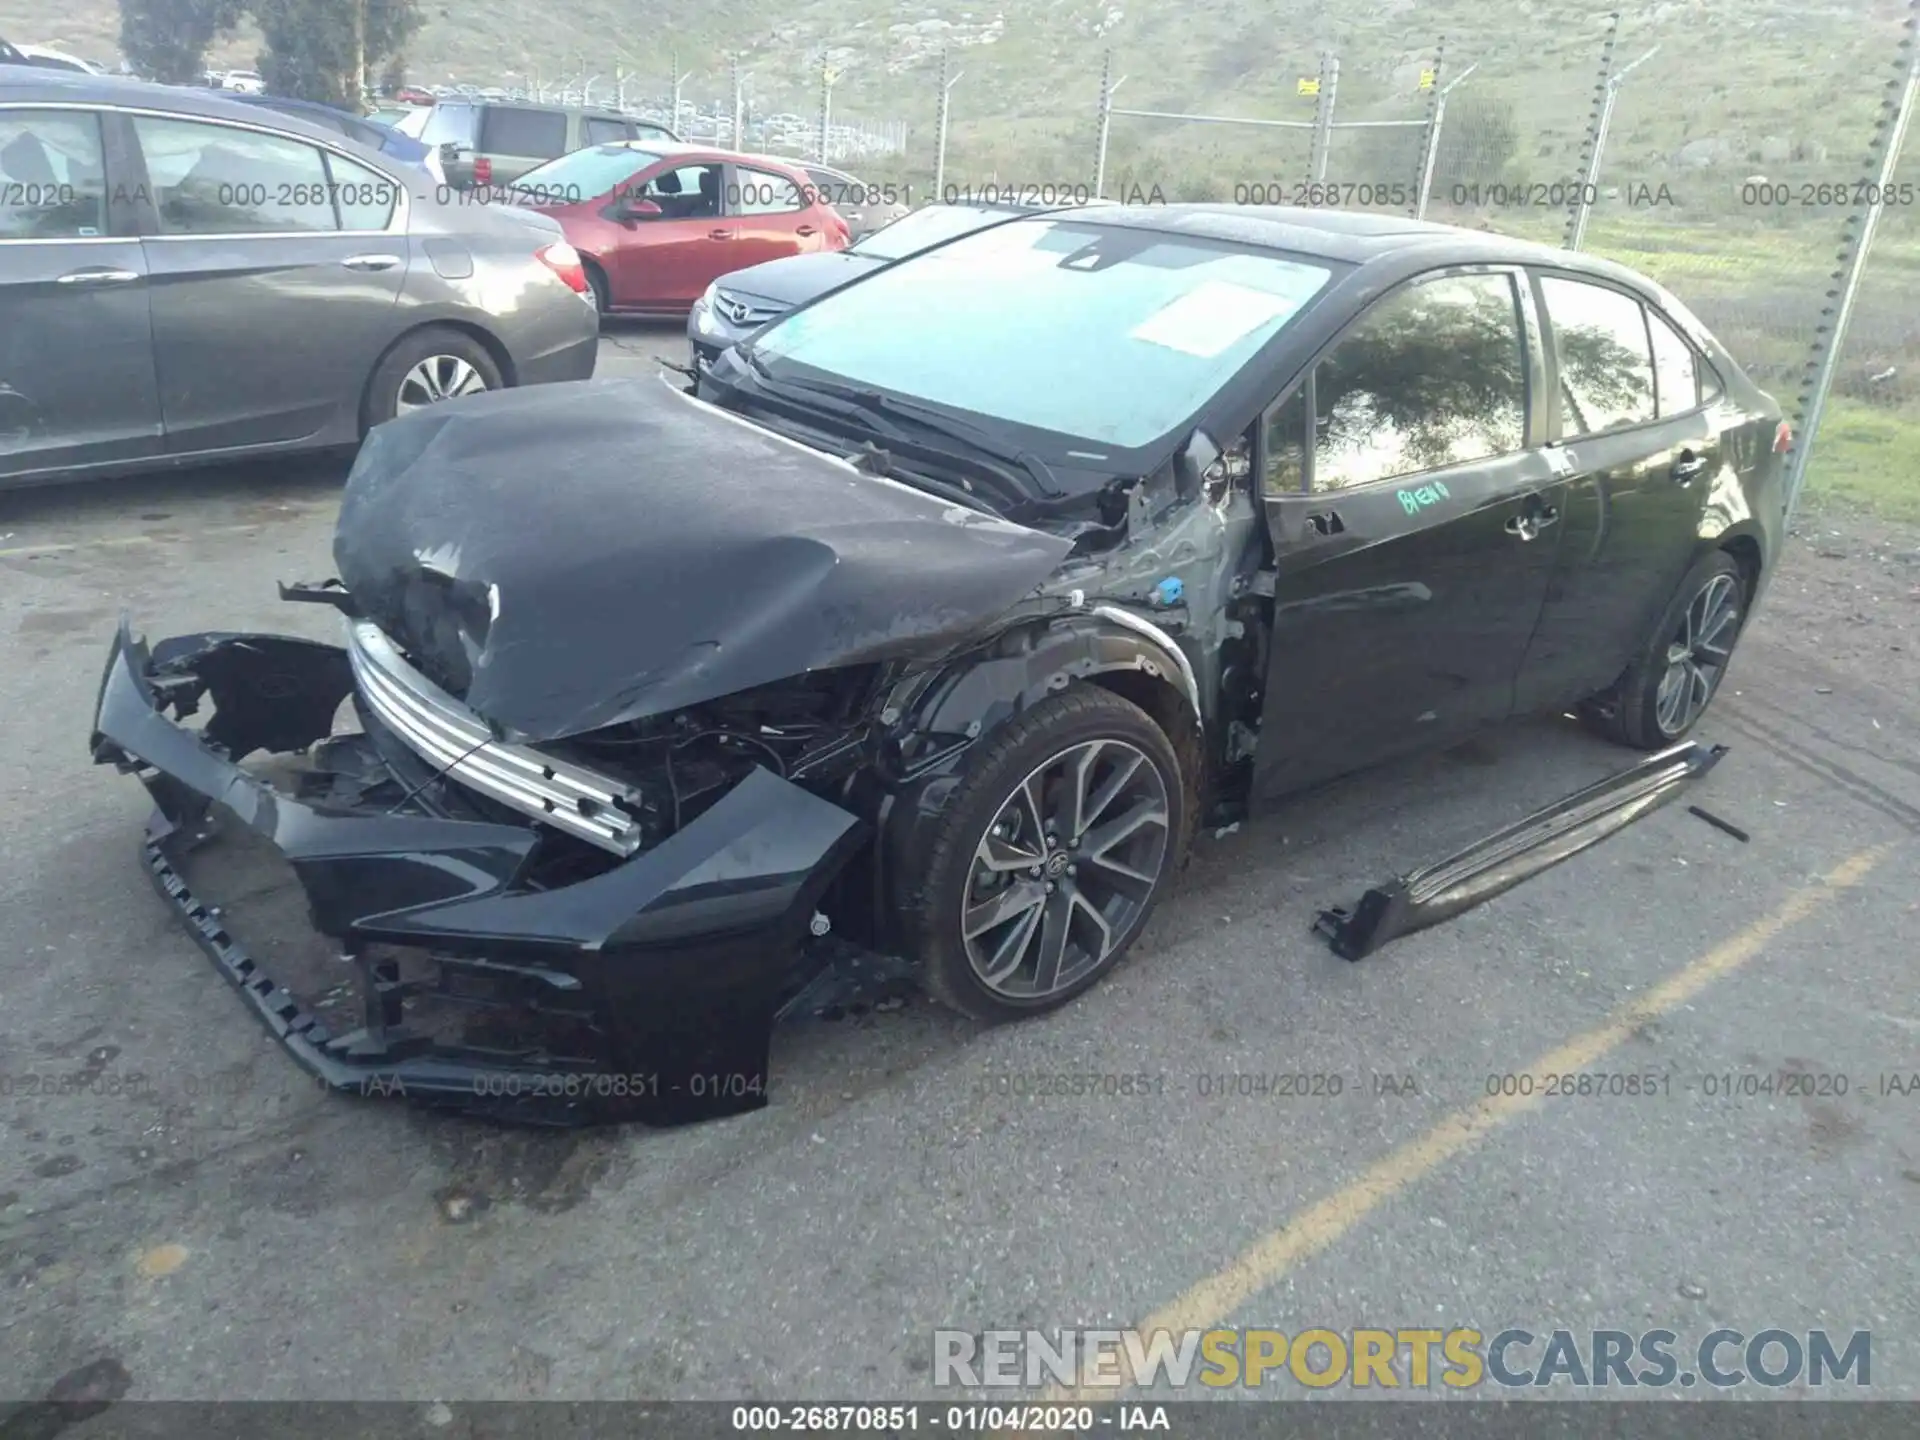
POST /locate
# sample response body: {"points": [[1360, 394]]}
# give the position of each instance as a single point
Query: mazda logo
{"points": [[738, 311]]}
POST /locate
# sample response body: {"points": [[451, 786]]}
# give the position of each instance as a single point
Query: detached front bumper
{"points": [[476, 974]]}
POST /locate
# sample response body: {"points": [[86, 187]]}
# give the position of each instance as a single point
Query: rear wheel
{"points": [[1676, 675], [424, 368], [597, 278], [1049, 858]]}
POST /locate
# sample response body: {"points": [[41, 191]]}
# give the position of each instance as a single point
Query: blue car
{"points": [[384, 138]]}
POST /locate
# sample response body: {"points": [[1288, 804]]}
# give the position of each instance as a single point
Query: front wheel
{"points": [[1669, 686], [1049, 857]]}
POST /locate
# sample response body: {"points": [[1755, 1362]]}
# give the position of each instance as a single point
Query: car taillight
{"points": [[1782, 438], [483, 170], [564, 261]]}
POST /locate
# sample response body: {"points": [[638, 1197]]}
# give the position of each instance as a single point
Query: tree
{"points": [[167, 40], [324, 50]]}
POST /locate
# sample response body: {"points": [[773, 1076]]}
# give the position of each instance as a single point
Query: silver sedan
{"points": [[184, 278]]}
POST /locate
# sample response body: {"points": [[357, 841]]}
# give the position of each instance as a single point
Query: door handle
{"points": [[98, 277], [371, 262], [807, 230], [1688, 468], [1529, 525], [719, 234]]}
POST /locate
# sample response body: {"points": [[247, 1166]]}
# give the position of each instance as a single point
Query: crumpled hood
{"points": [[571, 556]]}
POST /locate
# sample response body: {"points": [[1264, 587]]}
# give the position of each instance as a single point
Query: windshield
{"points": [[585, 174], [1106, 334], [925, 227]]}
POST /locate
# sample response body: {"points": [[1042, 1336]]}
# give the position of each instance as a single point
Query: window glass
{"points": [[692, 191], [507, 130], [587, 175], [644, 131], [367, 198], [1605, 363], [52, 180], [763, 193], [221, 180], [1712, 387], [1434, 375], [600, 130], [451, 124], [1123, 334], [1676, 378], [1286, 445]]}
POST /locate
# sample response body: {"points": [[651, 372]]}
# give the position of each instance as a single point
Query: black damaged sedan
{"points": [[929, 625]]}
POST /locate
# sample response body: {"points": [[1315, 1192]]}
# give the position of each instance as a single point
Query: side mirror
{"points": [[639, 208]]}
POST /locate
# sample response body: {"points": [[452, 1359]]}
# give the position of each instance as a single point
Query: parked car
{"points": [[367, 130], [740, 302], [243, 82], [184, 277], [485, 144], [865, 207], [934, 619], [9, 55], [655, 223], [45, 57]]}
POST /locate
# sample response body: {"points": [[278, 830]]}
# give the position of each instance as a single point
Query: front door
{"points": [[1414, 525], [275, 270], [665, 261], [76, 344], [773, 216]]}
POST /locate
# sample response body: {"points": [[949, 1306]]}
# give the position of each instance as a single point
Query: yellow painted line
{"points": [[112, 541], [1209, 1303]]}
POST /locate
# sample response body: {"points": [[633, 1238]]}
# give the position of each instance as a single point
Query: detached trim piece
{"points": [[1488, 867], [451, 738]]}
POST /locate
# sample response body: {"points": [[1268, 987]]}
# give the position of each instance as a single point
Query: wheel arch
{"points": [[479, 334], [974, 694], [1744, 547]]}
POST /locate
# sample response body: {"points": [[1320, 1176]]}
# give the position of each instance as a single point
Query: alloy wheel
{"points": [[1697, 655], [437, 378], [1066, 869]]}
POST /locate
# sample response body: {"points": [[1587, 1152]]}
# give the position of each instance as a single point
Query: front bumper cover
{"points": [[662, 975]]}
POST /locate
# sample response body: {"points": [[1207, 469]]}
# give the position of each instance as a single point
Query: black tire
{"points": [[1083, 721], [597, 278], [382, 399], [1631, 713]]}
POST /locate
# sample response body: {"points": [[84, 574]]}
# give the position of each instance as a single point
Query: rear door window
{"points": [[602, 130], [52, 175], [1606, 359], [761, 192], [1676, 371], [509, 130], [222, 180]]}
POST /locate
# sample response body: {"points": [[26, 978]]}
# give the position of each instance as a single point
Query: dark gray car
{"points": [[739, 303], [184, 277]]}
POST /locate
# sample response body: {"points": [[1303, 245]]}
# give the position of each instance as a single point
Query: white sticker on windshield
{"points": [[1210, 317]]}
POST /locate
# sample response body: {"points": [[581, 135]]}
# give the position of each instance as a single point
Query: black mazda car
{"points": [[928, 624]]}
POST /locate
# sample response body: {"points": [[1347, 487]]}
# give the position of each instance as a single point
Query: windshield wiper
{"points": [[923, 416]]}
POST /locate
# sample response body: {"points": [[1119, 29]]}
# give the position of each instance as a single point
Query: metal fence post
{"points": [[827, 78], [1430, 136], [1597, 118], [947, 83], [1831, 334], [1583, 202], [1106, 123], [738, 137], [1432, 156], [1323, 116]]}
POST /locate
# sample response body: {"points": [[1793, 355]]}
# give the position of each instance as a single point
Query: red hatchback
{"points": [[656, 223]]}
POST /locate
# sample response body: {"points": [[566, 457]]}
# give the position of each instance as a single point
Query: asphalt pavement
{"points": [[229, 1232]]}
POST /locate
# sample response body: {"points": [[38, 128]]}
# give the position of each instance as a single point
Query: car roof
{"points": [[25, 84], [1353, 237]]}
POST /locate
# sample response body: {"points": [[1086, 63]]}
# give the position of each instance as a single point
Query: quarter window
{"points": [[1606, 364], [221, 180], [366, 197], [1286, 446], [1676, 377], [599, 130], [1432, 376], [52, 180]]}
